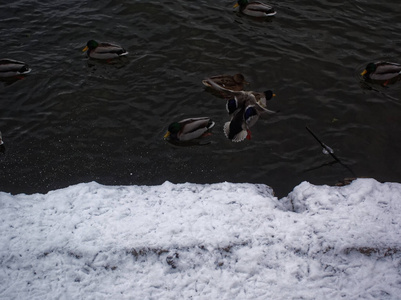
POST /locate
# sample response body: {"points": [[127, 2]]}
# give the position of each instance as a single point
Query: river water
{"points": [[75, 120]]}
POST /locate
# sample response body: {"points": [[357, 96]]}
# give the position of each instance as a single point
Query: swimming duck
{"points": [[255, 9], [232, 82], [103, 50], [189, 129], [382, 72], [11, 68]]}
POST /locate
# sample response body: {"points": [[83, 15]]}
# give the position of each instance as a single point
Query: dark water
{"points": [[72, 120]]}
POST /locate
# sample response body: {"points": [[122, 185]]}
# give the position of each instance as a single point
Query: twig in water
{"points": [[330, 151]]}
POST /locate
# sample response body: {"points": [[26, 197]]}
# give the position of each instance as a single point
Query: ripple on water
{"points": [[74, 120]]}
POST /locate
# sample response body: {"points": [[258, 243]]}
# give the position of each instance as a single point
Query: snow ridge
{"points": [[217, 241]]}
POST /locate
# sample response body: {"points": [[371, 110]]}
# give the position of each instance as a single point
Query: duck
{"points": [[236, 99], [12, 68], [189, 129], [382, 72], [255, 9], [234, 82], [238, 128], [103, 50], [245, 107]]}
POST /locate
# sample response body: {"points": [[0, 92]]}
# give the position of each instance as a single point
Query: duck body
{"points": [[382, 72], [255, 9], [236, 129], [242, 120], [189, 129], [103, 50], [231, 82], [12, 68]]}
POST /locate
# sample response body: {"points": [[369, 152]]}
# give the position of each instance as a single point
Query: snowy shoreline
{"points": [[213, 241]]}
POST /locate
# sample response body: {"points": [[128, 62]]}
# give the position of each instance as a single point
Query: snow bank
{"points": [[218, 241]]}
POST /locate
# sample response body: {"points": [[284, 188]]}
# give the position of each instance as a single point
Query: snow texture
{"points": [[191, 241]]}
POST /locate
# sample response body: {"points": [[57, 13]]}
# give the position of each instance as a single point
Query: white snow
{"points": [[191, 241]]}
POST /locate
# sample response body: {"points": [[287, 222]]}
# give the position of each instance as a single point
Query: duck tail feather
{"points": [[239, 137], [226, 129]]}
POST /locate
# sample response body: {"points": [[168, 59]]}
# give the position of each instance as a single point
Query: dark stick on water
{"points": [[330, 151]]}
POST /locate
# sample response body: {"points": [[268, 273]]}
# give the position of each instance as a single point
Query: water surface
{"points": [[74, 120]]}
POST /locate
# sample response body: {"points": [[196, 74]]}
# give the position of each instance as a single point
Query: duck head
{"points": [[173, 129], [92, 44], [241, 3], [269, 94], [371, 67], [239, 78]]}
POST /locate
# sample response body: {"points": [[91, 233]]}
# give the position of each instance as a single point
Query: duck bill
{"points": [[84, 49], [364, 72], [167, 134], [236, 5]]}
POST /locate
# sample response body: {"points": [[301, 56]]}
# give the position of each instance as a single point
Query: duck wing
{"points": [[385, 71], [227, 81], [240, 95], [13, 67], [194, 128], [110, 48], [261, 101], [261, 109], [258, 9], [236, 129], [251, 115], [240, 134], [211, 83], [384, 67]]}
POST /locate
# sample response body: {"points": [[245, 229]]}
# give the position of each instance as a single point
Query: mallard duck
{"points": [[382, 72], [245, 108], [243, 119], [255, 9], [103, 50], [231, 82], [11, 68], [189, 129], [238, 98]]}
